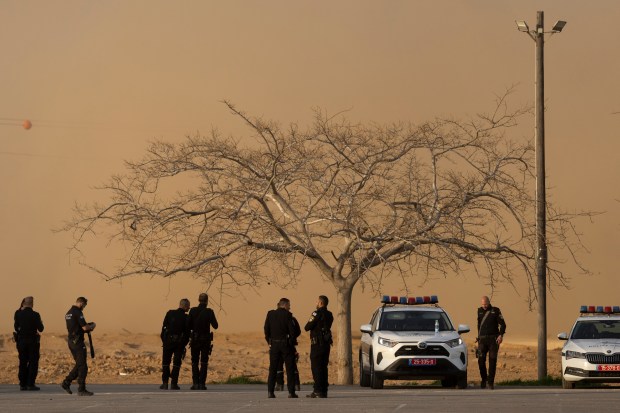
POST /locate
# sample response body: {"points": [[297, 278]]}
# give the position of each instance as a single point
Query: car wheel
{"points": [[461, 381], [376, 381], [567, 384], [364, 377]]}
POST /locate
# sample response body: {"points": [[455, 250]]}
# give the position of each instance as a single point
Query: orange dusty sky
{"points": [[100, 79]]}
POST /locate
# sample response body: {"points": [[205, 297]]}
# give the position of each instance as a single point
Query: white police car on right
{"points": [[592, 350]]}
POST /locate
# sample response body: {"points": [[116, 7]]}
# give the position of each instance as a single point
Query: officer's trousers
{"points": [[28, 350], [488, 345], [280, 373], [281, 350], [319, 360], [200, 361], [80, 370], [174, 354]]}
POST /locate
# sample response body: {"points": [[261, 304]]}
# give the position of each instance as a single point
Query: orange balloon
{"points": [[27, 124]]}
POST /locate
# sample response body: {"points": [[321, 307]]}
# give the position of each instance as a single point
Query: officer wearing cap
{"points": [[174, 337], [200, 320], [280, 335], [28, 329], [76, 327], [319, 325], [491, 330]]}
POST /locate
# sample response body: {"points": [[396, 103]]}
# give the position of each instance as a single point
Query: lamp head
{"points": [[522, 26], [558, 26]]}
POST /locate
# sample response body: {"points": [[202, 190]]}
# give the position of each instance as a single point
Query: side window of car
{"points": [[375, 320], [372, 319]]}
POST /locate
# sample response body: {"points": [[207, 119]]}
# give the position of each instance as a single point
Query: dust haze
{"points": [[99, 80]]}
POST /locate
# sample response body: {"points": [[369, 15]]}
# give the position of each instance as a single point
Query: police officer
{"points": [[28, 327], [200, 320], [174, 337], [280, 335], [491, 329], [280, 373], [76, 327], [319, 325]]}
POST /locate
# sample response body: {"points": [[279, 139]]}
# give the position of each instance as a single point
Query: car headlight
{"points": [[386, 342], [455, 342], [574, 355]]}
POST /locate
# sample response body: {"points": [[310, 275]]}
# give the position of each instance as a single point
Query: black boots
{"points": [[66, 386]]}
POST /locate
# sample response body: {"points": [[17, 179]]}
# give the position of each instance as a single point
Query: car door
{"points": [[366, 339]]}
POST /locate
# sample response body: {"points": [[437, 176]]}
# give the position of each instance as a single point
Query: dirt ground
{"points": [[136, 359]]}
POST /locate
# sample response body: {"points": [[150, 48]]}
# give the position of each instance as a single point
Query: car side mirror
{"points": [[366, 328], [563, 336], [463, 328]]}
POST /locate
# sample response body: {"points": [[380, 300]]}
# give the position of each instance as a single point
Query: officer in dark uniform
{"points": [[200, 320], [174, 337], [319, 325], [76, 327], [280, 374], [491, 329], [28, 327], [280, 335]]}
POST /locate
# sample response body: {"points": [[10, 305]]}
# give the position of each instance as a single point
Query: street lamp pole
{"points": [[538, 35]]}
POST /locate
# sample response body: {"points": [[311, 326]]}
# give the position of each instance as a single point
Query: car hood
{"points": [[605, 346], [417, 336]]}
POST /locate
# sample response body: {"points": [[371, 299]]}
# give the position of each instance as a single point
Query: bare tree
{"points": [[359, 202]]}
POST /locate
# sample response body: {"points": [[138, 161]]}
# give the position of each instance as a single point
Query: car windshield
{"points": [[414, 321], [596, 329]]}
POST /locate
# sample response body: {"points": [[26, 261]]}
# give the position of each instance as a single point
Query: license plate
{"points": [[607, 367], [422, 362]]}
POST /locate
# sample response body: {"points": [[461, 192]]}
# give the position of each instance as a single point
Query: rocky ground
{"points": [[136, 358]]}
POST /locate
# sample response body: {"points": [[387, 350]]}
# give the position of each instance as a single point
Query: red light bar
{"points": [[393, 299], [599, 309]]}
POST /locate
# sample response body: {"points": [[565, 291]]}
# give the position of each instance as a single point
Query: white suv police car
{"points": [[412, 338], [592, 350]]}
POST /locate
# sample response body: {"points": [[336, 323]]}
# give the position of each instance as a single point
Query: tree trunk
{"points": [[343, 330]]}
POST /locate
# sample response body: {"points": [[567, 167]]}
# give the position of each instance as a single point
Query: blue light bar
{"points": [[599, 309], [393, 299]]}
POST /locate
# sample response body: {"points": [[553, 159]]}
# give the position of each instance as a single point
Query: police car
{"points": [[412, 338], [592, 350]]}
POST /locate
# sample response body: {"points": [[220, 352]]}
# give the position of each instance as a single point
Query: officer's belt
{"points": [[492, 335], [279, 340]]}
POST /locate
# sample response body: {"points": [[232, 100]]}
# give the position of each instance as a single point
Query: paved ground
{"points": [[252, 398]]}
